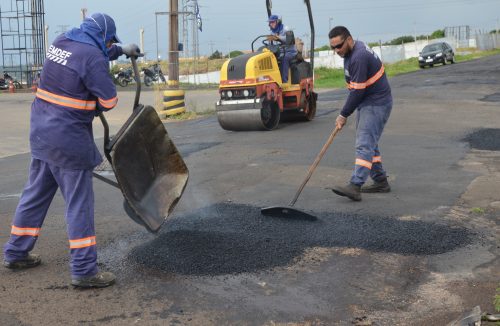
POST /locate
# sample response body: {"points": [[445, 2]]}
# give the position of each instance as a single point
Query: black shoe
{"points": [[29, 261], [99, 280], [351, 191], [381, 186]]}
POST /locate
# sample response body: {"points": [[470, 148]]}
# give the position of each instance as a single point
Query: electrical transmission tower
{"points": [[22, 38]]}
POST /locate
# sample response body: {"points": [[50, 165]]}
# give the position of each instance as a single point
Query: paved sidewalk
{"points": [[15, 112]]}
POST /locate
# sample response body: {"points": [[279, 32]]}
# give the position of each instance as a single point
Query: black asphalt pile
{"points": [[231, 239], [484, 139]]}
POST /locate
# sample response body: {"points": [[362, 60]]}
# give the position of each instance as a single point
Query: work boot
{"points": [[381, 186], [351, 191], [29, 261], [99, 280]]}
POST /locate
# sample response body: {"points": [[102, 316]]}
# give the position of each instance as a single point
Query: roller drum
{"points": [[247, 116]]}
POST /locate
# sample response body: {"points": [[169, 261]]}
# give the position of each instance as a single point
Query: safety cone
{"points": [[12, 89]]}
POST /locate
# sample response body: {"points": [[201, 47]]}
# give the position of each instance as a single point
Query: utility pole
{"points": [[46, 38], [84, 13], [157, 50], [211, 44], [173, 53], [141, 41]]}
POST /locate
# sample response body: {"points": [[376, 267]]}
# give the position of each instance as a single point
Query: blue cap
{"points": [[273, 18]]}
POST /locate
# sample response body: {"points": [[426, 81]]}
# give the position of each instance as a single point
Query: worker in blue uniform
{"points": [[370, 95], [279, 33], [75, 85]]}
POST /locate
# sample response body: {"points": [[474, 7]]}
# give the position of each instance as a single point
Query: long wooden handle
{"points": [[314, 165]]}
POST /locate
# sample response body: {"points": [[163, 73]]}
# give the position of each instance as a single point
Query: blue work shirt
{"points": [[74, 84], [366, 79]]}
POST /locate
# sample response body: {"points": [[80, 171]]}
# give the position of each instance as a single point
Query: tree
{"points": [[401, 39], [437, 34], [234, 54], [215, 55], [323, 48]]}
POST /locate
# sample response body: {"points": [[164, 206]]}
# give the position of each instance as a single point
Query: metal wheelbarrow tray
{"points": [[149, 170]]}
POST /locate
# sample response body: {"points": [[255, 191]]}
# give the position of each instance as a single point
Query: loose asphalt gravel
{"points": [[232, 239]]}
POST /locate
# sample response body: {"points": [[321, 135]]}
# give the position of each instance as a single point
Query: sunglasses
{"points": [[338, 46]]}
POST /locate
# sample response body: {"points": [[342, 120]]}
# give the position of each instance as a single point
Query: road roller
{"points": [[252, 93]]}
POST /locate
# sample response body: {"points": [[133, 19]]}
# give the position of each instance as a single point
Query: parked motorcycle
{"points": [[153, 74], [124, 77], [4, 82]]}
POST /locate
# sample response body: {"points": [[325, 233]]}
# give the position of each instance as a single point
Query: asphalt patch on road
{"points": [[232, 239], [484, 139], [191, 148], [491, 98]]}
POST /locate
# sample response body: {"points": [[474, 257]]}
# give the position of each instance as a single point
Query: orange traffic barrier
{"points": [[12, 89]]}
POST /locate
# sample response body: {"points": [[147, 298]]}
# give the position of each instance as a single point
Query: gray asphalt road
{"points": [[420, 255]]}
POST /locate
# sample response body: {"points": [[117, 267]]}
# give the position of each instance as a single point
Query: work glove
{"points": [[131, 50], [272, 38]]}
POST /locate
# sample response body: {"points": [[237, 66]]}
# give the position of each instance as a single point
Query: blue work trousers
{"points": [[370, 123], [76, 188], [285, 65]]}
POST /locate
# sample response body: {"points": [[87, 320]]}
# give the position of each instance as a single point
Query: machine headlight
{"points": [[420, 58], [439, 54], [229, 94], [246, 93]]}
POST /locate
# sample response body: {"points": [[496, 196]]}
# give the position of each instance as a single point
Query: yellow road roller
{"points": [[252, 93]]}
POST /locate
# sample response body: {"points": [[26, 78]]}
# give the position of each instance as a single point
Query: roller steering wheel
{"points": [[266, 42]]}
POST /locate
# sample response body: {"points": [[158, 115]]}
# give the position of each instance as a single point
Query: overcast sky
{"points": [[233, 24]]}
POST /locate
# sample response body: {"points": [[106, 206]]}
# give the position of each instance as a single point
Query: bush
{"points": [[234, 54], [215, 55]]}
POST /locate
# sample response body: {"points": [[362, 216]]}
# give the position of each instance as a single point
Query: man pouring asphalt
{"points": [[370, 95], [75, 85]]}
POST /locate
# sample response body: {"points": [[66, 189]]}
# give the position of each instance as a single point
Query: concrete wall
{"points": [[388, 53]]}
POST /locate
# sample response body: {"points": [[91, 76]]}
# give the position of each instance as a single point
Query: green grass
{"points": [[474, 54], [334, 78], [329, 78], [477, 210], [188, 115]]}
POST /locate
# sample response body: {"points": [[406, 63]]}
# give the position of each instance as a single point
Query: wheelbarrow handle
{"points": [[107, 141], [105, 124], [137, 82]]}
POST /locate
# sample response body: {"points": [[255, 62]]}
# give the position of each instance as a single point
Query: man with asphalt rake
{"points": [[370, 95]]}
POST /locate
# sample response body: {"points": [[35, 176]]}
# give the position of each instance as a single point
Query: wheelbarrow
{"points": [[148, 168]]}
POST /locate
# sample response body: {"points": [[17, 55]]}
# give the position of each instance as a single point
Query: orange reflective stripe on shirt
{"points": [[65, 101], [375, 77], [364, 163], [82, 243], [108, 104], [25, 231], [372, 80], [377, 159], [353, 85]]}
